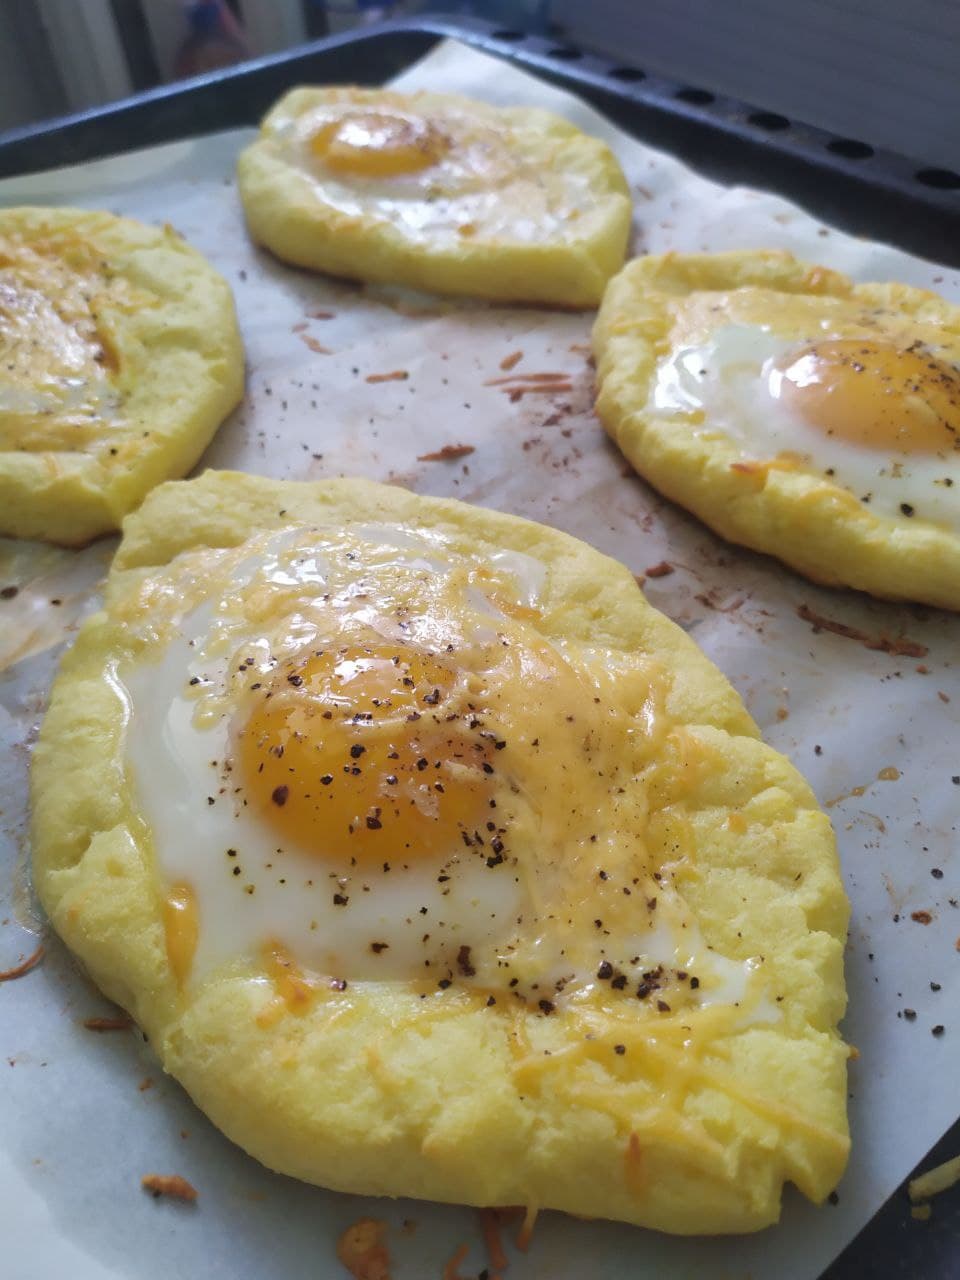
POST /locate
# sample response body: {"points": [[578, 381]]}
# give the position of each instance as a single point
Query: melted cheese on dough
{"points": [[58, 366]]}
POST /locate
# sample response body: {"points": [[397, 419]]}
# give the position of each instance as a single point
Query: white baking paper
{"points": [[83, 1115]]}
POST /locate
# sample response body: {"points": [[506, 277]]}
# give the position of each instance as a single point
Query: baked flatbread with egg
{"points": [[120, 357], [437, 192], [793, 411], [435, 862]]}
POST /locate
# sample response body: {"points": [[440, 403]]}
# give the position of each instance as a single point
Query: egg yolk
{"points": [[376, 144], [182, 929], [364, 754], [873, 394]]}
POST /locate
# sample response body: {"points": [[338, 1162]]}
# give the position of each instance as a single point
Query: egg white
{"points": [[731, 378], [525, 920], [177, 773], [483, 180]]}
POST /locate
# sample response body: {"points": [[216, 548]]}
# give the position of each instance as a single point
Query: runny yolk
{"points": [[873, 394], [375, 144], [181, 926], [366, 754]]}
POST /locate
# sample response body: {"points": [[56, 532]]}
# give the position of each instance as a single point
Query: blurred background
{"points": [[882, 71]]}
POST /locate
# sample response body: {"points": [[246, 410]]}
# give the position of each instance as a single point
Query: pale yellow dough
{"points": [[120, 356], [374, 1090], [813, 525], [518, 205]]}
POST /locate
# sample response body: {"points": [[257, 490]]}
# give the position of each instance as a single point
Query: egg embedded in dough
{"points": [[794, 411], [435, 862], [437, 192], [119, 358]]}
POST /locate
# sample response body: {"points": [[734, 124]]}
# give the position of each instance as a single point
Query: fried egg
{"points": [[414, 831], [794, 411], [119, 358], [437, 192], [343, 723]]}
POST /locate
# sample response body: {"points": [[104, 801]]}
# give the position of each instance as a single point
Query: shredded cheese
{"points": [[934, 1181], [362, 1251], [526, 1230], [172, 1185], [490, 1226], [18, 970], [451, 1270]]}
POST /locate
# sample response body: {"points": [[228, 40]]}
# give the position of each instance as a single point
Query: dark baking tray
{"points": [[846, 182]]}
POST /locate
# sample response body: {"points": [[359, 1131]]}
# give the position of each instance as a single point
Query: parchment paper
{"points": [[83, 1115]]}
